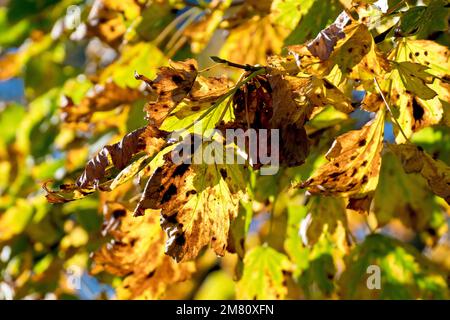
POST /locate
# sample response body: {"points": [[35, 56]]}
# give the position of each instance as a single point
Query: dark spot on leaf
{"points": [[328, 85], [180, 240], [336, 174], [418, 111], [177, 79], [180, 170], [223, 173], [150, 274], [171, 191], [364, 179], [362, 142], [190, 192], [119, 213]]}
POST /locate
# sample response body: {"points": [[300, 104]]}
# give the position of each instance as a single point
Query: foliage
{"points": [[89, 185]]}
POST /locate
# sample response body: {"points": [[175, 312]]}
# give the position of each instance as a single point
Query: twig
{"points": [[245, 67]]}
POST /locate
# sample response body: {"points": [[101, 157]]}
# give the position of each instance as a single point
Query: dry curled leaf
{"points": [[353, 167], [170, 87], [99, 98], [322, 46], [148, 140], [136, 253]]}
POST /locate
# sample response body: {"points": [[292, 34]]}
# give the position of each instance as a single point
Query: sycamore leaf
{"points": [[197, 202], [137, 254], [294, 100], [205, 94], [415, 79], [115, 156], [287, 13], [322, 46], [424, 20], [436, 172], [326, 214], [98, 98], [425, 52], [353, 170], [170, 87], [407, 197], [141, 58], [252, 41], [263, 277], [316, 15], [405, 273], [351, 50], [415, 113]]}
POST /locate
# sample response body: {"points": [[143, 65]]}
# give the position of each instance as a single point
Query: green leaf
{"points": [[263, 276], [405, 273], [287, 13], [142, 58], [407, 198]]}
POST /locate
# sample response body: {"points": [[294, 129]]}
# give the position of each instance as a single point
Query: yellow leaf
{"points": [[353, 167]]}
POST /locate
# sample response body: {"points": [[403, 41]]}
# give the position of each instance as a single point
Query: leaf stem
{"points": [[390, 110]]}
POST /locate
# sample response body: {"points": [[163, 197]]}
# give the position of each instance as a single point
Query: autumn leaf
{"points": [[323, 45], [436, 172], [205, 105], [99, 98], [405, 274], [137, 254], [197, 202], [170, 87], [294, 100], [117, 156], [326, 214], [419, 96], [263, 278], [415, 79], [353, 167], [407, 197], [253, 40]]}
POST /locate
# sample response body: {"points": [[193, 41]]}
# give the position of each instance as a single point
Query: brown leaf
{"points": [[119, 154], [137, 254], [353, 170], [197, 205], [436, 172], [99, 98], [170, 87], [322, 46], [95, 175]]}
